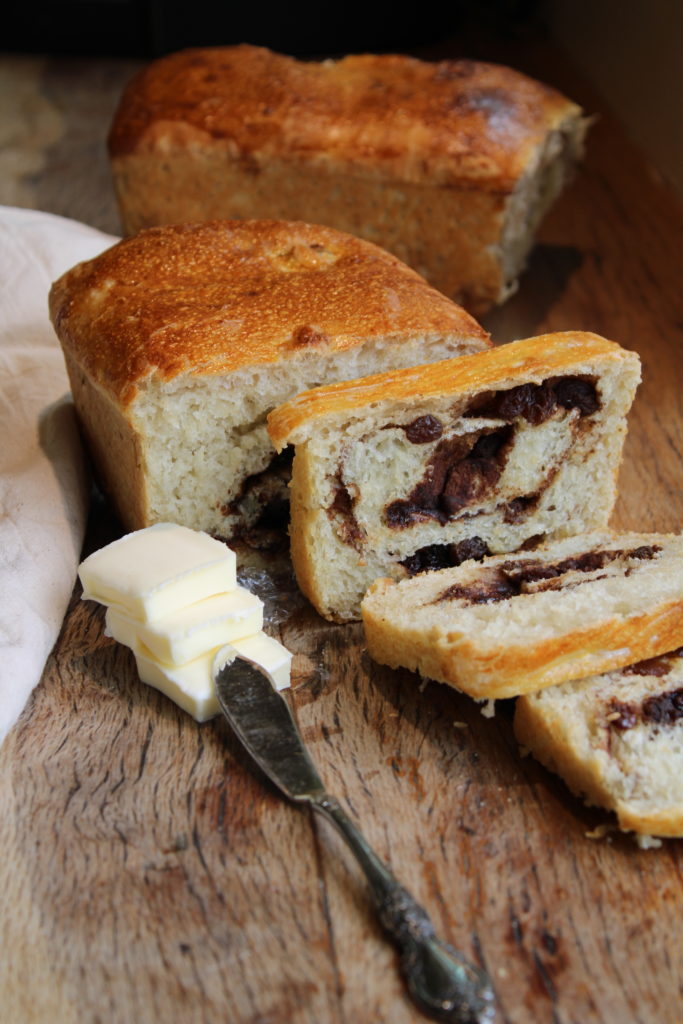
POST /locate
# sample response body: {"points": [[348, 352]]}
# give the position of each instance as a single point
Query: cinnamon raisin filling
{"points": [[622, 716], [537, 402], [665, 708], [445, 556], [341, 512], [461, 470], [423, 429], [510, 579], [659, 709], [262, 505]]}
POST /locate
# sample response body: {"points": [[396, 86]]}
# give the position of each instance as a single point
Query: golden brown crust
{"points": [[562, 748], [665, 823], [301, 525], [514, 670], [449, 123], [115, 450], [531, 360], [490, 671], [532, 731], [210, 298]]}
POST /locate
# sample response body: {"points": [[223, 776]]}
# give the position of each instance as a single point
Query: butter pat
{"points": [[265, 651], [186, 633], [153, 572], [191, 685], [173, 598]]}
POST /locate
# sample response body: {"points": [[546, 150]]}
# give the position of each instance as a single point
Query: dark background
{"points": [[150, 28]]}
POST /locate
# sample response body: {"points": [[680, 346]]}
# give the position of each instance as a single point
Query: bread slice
{"points": [[427, 467], [448, 165], [180, 340], [517, 623], [617, 740]]}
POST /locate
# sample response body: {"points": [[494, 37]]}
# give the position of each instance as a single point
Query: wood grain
{"points": [[148, 875]]}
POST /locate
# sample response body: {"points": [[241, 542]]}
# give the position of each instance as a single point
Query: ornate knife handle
{"points": [[441, 981]]}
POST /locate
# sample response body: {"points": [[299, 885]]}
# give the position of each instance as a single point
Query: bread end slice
{"points": [[616, 740]]}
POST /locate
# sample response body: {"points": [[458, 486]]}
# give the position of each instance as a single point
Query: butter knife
{"points": [[441, 982]]}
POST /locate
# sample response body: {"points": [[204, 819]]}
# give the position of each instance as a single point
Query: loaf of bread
{"points": [[427, 467], [180, 340], [448, 165], [517, 623], [616, 740]]}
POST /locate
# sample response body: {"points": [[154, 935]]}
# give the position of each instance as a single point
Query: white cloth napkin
{"points": [[43, 486]]}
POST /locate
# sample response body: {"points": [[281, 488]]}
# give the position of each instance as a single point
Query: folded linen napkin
{"points": [[43, 486]]}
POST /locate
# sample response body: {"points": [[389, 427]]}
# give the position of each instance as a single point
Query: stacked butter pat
{"points": [[172, 597]]}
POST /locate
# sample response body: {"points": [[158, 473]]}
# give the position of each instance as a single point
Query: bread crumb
{"points": [[488, 708], [600, 831], [460, 725], [648, 842]]}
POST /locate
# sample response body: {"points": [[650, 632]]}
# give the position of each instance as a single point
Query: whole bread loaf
{"points": [[180, 340], [514, 624], [616, 740], [448, 165], [426, 467]]}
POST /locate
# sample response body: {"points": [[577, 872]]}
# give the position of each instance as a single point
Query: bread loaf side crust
{"points": [[116, 450], [453, 238], [544, 735], [305, 525]]}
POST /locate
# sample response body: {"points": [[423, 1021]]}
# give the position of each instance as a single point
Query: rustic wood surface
{"points": [[147, 875]]}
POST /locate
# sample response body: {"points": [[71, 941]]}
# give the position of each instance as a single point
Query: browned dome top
{"points": [[217, 296], [448, 122]]}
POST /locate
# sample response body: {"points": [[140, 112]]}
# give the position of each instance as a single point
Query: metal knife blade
{"points": [[261, 718]]}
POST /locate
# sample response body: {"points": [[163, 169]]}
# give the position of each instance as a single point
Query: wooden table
{"points": [[148, 876]]}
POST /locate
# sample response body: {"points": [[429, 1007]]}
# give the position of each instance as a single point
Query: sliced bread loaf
{"points": [[517, 623], [426, 467], [180, 340]]}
